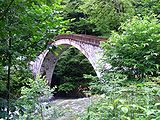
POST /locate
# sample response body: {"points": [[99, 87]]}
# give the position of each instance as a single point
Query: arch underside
{"points": [[46, 61]]}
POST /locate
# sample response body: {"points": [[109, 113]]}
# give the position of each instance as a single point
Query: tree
{"points": [[107, 15], [79, 23], [29, 25], [135, 52], [147, 7], [26, 27]]}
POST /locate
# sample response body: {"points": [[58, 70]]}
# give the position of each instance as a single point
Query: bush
{"points": [[109, 81], [135, 52], [130, 101], [31, 104]]}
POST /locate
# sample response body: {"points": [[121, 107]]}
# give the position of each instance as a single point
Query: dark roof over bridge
{"points": [[89, 39]]}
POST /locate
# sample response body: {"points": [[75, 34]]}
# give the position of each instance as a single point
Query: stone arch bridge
{"points": [[87, 44]]}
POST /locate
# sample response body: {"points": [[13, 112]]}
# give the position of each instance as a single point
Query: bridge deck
{"points": [[89, 39]]}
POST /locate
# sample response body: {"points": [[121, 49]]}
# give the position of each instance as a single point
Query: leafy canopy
{"points": [[29, 25], [106, 14], [137, 50]]}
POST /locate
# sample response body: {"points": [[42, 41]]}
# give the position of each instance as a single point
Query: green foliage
{"points": [[30, 103], [100, 17], [79, 23], [127, 101], [107, 84], [34, 103], [147, 7], [66, 87], [106, 14], [29, 25], [135, 52], [69, 71], [3, 106]]}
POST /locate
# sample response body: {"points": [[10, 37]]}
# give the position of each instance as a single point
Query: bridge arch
{"points": [[88, 45]]}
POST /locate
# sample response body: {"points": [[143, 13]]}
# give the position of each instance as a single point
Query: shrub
{"points": [[136, 51], [30, 105], [130, 101], [105, 85]]}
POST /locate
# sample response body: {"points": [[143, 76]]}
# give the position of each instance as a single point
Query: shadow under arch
{"points": [[68, 74]]}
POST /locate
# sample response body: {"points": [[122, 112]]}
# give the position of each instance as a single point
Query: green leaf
{"points": [[124, 109], [150, 112], [111, 107]]}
